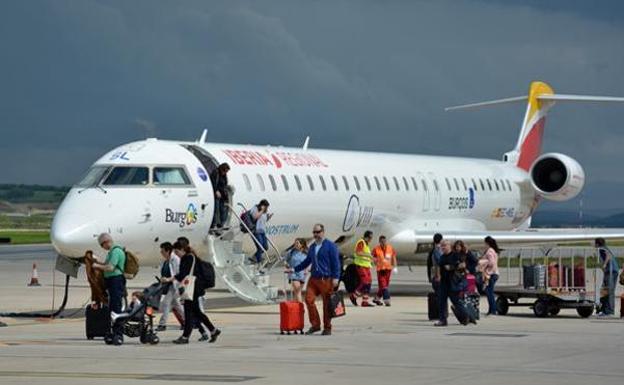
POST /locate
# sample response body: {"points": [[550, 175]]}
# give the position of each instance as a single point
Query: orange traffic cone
{"points": [[34, 280]]}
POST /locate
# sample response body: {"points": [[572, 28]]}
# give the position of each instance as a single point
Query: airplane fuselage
{"points": [[349, 192]]}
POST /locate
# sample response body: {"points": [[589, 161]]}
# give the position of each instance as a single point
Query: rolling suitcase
{"points": [[291, 317], [433, 307], [473, 300], [540, 276], [97, 321]]}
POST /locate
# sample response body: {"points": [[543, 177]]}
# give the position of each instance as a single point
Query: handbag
{"points": [[336, 305], [187, 286]]}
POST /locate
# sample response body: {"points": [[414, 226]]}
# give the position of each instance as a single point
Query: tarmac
{"points": [[382, 345]]}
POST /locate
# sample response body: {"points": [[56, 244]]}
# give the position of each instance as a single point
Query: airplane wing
{"points": [[532, 236]]}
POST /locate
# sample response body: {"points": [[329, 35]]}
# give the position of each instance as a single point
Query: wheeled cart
{"points": [[550, 280]]}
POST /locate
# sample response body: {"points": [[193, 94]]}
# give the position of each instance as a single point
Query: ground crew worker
{"points": [[113, 269], [385, 260], [363, 261]]}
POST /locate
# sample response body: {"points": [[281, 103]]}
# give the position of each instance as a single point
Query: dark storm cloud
{"points": [[80, 77]]}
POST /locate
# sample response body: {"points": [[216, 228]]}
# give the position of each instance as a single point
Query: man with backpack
{"points": [[113, 271]]}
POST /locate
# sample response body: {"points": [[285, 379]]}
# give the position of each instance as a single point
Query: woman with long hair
{"points": [[490, 265], [192, 309], [296, 256]]}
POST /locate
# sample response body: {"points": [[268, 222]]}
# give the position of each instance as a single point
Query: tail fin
{"points": [[540, 99], [529, 145]]}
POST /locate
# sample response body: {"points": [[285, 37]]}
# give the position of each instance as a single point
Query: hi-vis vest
{"points": [[364, 259]]}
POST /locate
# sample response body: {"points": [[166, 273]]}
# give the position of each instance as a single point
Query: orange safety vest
{"points": [[383, 258]]}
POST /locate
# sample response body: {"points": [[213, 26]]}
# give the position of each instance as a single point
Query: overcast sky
{"points": [[80, 77]]}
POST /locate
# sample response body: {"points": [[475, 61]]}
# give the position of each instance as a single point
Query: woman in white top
{"points": [[490, 262]]}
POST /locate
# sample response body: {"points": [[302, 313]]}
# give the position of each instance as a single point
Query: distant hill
{"points": [[30, 199], [546, 218]]}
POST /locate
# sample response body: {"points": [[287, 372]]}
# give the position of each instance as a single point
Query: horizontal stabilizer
{"points": [[549, 97]]}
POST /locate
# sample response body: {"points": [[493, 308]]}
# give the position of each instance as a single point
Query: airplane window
{"points": [[273, 184], [396, 183], [368, 184], [406, 184], [448, 184], [464, 184], [509, 185], [502, 184], [496, 185], [346, 183], [260, 182], [424, 184], [310, 182], [298, 182], [323, 185], [414, 183], [386, 183], [247, 182], [489, 184], [456, 184], [377, 183], [357, 183], [127, 176], [93, 176], [482, 185], [285, 182], [474, 184], [435, 185], [170, 176], [333, 179]]}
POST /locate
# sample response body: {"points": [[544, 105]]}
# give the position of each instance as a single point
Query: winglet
{"points": [[202, 138], [305, 144]]}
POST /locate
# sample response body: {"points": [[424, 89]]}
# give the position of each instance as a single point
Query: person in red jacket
{"points": [[386, 262]]}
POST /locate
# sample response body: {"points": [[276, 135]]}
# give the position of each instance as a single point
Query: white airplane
{"points": [[152, 191]]}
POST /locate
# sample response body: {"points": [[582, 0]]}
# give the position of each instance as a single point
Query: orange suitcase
{"points": [[291, 317]]}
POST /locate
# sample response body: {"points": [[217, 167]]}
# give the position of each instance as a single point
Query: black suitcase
{"points": [[528, 276], [471, 302], [97, 321], [432, 306]]}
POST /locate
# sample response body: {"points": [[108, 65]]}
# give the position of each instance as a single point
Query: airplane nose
{"points": [[72, 234]]}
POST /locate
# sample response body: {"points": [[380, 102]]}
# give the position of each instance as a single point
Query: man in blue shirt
{"points": [[325, 260]]}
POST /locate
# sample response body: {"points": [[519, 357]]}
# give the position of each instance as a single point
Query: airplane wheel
{"points": [[540, 308], [502, 305], [281, 332]]}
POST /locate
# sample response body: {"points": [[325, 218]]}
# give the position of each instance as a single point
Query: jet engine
{"points": [[557, 177]]}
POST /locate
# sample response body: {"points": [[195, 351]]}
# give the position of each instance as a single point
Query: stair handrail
{"points": [[241, 222], [269, 241]]}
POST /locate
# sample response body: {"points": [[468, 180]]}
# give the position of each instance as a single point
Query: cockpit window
{"points": [[127, 176], [170, 176], [93, 176]]}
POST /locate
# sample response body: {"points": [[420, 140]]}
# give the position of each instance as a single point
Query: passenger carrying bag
{"points": [[208, 273], [131, 269], [336, 305], [187, 286], [248, 220]]}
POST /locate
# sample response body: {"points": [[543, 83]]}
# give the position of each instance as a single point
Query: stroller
{"points": [[138, 321]]}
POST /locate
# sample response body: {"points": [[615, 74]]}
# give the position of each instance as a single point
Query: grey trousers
{"points": [[169, 302]]}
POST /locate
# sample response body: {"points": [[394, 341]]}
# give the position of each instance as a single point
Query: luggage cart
{"points": [[564, 283]]}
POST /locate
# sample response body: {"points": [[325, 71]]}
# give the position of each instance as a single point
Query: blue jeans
{"points": [[116, 287], [220, 216], [489, 291], [609, 282], [261, 243], [445, 293]]}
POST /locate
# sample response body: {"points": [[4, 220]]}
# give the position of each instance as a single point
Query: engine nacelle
{"points": [[557, 177]]}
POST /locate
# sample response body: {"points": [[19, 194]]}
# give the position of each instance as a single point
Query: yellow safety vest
{"points": [[365, 259]]}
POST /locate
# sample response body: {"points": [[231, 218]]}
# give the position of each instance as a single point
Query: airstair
{"points": [[242, 276]]}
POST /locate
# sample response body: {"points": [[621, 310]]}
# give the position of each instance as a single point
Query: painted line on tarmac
{"points": [[131, 376]]}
